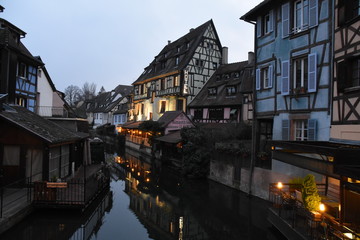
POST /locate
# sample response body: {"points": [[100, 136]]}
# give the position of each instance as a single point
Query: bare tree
{"points": [[72, 94], [88, 90]]}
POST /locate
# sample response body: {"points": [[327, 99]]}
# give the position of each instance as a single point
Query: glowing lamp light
{"points": [[132, 169], [349, 235], [279, 185], [147, 179], [138, 173], [322, 207]]}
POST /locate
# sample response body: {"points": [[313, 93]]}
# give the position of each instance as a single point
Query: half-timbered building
{"points": [[227, 96], [294, 77], [177, 73], [18, 67]]}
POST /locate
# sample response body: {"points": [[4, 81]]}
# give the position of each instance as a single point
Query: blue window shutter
{"points": [[257, 79], [271, 18], [313, 13], [312, 73], [312, 129], [270, 76], [285, 80], [258, 27], [285, 130], [285, 18]]}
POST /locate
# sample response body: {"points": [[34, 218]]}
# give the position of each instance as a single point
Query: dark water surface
{"points": [[145, 202]]}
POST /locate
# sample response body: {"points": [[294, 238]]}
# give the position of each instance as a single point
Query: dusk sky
{"points": [[110, 42]]}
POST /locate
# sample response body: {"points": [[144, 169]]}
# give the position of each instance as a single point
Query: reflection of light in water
{"points": [[181, 225]]}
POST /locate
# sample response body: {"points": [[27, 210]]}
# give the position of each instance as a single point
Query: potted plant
{"points": [[310, 193]]}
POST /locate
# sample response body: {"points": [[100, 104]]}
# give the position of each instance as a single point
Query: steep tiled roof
{"points": [[10, 36], [225, 77], [106, 101], [39, 126], [260, 9], [169, 53]]}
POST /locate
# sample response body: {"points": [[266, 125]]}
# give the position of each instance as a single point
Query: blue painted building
{"points": [[293, 70]]}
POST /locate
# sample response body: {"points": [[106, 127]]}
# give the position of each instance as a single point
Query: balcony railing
{"points": [[168, 91], [141, 96], [52, 112], [287, 206]]}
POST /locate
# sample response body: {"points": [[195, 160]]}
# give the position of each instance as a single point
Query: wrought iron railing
{"points": [[15, 194], [311, 224], [76, 192]]}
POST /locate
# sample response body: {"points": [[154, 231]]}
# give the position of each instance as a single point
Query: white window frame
{"points": [[301, 7], [301, 130]]}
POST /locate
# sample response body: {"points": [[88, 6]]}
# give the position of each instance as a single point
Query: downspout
{"points": [[254, 123]]}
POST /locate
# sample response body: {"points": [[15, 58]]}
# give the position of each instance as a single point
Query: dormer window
{"points": [[227, 76], [178, 49], [177, 60], [230, 90], [218, 77], [187, 45], [212, 92], [236, 74]]}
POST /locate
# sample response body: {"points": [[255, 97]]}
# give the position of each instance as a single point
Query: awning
{"points": [[131, 125], [173, 137]]}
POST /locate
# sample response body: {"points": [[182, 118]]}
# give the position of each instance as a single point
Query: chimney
{"points": [[169, 41], [191, 29], [225, 55], [251, 57]]}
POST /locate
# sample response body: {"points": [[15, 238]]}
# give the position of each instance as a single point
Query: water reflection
{"points": [[150, 202], [170, 208], [63, 224]]}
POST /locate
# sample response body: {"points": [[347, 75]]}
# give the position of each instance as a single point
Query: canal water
{"points": [[146, 201]]}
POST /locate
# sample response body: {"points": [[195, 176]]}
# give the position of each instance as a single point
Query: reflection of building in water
{"points": [[161, 213], [67, 225]]}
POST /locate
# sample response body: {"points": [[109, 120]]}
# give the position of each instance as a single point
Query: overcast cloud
{"points": [[110, 42]]}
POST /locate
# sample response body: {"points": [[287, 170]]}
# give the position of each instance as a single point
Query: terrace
{"points": [[289, 214]]}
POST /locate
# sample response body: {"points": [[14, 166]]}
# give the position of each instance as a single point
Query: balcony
{"points": [[52, 112], [141, 96], [169, 91], [289, 215]]}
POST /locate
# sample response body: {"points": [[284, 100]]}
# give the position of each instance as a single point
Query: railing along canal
{"points": [[72, 193], [287, 205]]}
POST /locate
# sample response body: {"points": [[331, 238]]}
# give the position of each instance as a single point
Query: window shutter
{"points": [[312, 72], [285, 18], [271, 18], [313, 13], [312, 129], [257, 79], [258, 27], [285, 130], [270, 76], [285, 81]]}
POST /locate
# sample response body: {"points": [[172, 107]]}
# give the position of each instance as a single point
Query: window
{"points": [[301, 15], [264, 77], [265, 24], [214, 65], [216, 113], [348, 10], [212, 92], [199, 63], [236, 74], [162, 106], [299, 129], [169, 82], [21, 70], [304, 76], [176, 81], [177, 61], [198, 113], [298, 17], [348, 74], [142, 108], [162, 84], [230, 90], [178, 49], [300, 71]]}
